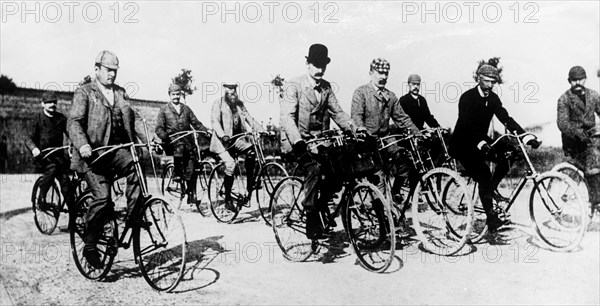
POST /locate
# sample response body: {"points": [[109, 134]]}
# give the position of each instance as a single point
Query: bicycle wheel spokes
{"points": [[203, 175], [370, 227], [168, 186], [106, 246], [160, 245], [442, 211], [270, 175], [46, 208], [558, 211], [288, 220], [216, 195], [577, 176]]}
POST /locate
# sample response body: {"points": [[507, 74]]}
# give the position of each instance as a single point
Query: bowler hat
{"points": [[49, 96], [107, 59], [577, 73], [317, 54]]}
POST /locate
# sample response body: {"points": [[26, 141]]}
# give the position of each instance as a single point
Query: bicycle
{"points": [[201, 174], [439, 228], [365, 212], [155, 226], [47, 212], [556, 208], [266, 173]]}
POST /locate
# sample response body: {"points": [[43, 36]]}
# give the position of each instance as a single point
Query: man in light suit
{"points": [[229, 117], [306, 109], [102, 115]]}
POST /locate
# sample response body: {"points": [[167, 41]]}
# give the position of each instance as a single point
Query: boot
{"points": [[314, 226], [191, 191], [227, 184]]}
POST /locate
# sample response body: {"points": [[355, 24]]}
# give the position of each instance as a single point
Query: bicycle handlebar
{"points": [[182, 134], [112, 148], [514, 135], [52, 150]]}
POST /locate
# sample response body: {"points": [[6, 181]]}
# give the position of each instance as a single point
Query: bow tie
{"points": [[318, 88]]}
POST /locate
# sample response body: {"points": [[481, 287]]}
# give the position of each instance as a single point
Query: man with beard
{"points": [[373, 105], [229, 117], [47, 131], [580, 136], [307, 108], [177, 117], [470, 144], [415, 105], [102, 115]]}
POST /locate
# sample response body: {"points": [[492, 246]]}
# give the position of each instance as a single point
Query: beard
{"points": [[578, 89]]}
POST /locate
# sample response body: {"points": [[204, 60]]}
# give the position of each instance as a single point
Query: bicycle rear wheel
{"points": [[168, 186], [442, 222], [479, 228], [289, 220], [270, 175], [159, 244], [202, 176], [216, 194], [558, 211], [369, 224], [576, 175], [107, 244], [46, 208]]}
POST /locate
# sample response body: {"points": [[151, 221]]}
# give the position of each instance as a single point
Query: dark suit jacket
{"points": [[303, 115], [90, 120], [418, 111], [169, 122], [55, 128], [474, 116]]}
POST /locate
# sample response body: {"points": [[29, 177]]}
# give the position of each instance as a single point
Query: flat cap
{"points": [[380, 65], [49, 96], [107, 59], [414, 78], [488, 71], [577, 73]]}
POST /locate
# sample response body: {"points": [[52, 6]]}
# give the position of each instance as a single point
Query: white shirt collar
{"points": [[481, 93]]}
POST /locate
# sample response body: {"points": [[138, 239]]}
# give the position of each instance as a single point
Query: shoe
{"points": [[91, 254], [229, 205], [191, 199], [496, 223], [500, 198], [314, 228], [317, 234]]}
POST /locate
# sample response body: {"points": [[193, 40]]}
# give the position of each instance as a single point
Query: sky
{"points": [[53, 45]]}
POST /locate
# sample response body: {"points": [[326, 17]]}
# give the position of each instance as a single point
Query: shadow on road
{"points": [[201, 253]]}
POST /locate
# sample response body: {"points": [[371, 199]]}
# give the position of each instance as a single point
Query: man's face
{"points": [[578, 86], [106, 76], [378, 79], [486, 83], [230, 94], [414, 87], [316, 71], [175, 97], [49, 107]]}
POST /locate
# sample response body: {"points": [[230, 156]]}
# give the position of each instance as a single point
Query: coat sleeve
{"points": [[429, 118], [77, 122], [563, 121], [506, 119], [337, 113], [357, 111], [34, 138], [195, 123], [160, 128], [215, 119], [288, 112], [401, 118], [255, 125]]}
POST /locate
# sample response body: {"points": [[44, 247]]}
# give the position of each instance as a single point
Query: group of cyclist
{"points": [[102, 115]]}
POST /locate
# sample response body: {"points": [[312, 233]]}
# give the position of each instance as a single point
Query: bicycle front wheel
{"points": [[558, 211], [216, 194], [369, 224], [159, 244], [289, 220], [576, 175], [202, 176], [270, 175], [442, 211], [107, 244], [46, 207]]}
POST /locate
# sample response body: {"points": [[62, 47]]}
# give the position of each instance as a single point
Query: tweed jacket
{"points": [[222, 122], [302, 115], [373, 112], [575, 117], [90, 120], [169, 121], [474, 116]]}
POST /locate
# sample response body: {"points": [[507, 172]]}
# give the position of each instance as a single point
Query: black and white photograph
{"points": [[300, 152]]}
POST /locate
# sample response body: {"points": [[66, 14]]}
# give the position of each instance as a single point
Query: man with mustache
{"points": [[415, 105], [306, 109], [580, 135], [470, 144], [47, 131], [373, 105], [177, 117], [229, 117], [102, 115]]}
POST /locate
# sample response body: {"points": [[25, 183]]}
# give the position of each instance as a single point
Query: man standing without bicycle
{"points": [[470, 144], [229, 117], [102, 115], [577, 123], [48, 129], [177, 117], [373, 105], [306, 109]]}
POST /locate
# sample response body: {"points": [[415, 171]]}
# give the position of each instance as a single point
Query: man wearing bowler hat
{"points": [[580, 135], [306, 109], [470, 144], [229, 117], [176, 117], [102, 115], [47, 131]]}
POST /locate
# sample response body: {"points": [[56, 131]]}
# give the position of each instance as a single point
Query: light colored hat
{"points": [[380, 65], [174, 87], [488, 71], [107, 59]]}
